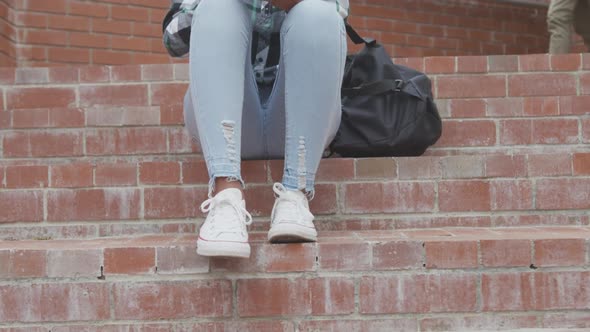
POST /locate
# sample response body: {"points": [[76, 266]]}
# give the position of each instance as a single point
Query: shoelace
{"points": [[279, 189], [280, 192], [214, 202]]}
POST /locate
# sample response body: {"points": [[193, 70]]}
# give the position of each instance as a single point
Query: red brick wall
{"points": [[90, 32], [73, 140], [36, 32], [418, 28], [7, 36]]}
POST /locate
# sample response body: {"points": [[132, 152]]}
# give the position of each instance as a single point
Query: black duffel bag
{"points": [[387, 109]]}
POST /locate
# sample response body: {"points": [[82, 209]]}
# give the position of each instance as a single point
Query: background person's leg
{"points": [[305, 107], [559, 21], [582, 21], [219, 51]]}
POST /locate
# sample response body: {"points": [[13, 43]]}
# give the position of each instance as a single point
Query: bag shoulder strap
{"points": [[356, 38], [395, 84]]}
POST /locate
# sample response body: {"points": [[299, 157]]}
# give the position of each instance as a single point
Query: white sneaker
{"points": [[291, 220], [224, 232]]}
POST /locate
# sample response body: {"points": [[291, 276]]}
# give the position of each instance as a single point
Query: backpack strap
{"points": [[175, 8], [274, 51], [254, 49]]}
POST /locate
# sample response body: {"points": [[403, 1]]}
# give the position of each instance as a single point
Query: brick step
{"points": [[460, 137], [495, 104], [406, 280], [99, 198], [140, 130]]}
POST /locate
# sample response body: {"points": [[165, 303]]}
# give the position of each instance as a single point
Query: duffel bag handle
{"points": [[374, 88]]}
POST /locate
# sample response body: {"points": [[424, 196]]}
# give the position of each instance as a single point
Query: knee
{"points": [[229, 10], [315, 14], [218, 5]]}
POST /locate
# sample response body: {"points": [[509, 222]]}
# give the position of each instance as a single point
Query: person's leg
{"points": [[305, 111], [582, 21], [559, 21], [305, 108], [252, 126], [219, 53]]}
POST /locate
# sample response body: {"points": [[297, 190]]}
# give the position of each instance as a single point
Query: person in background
{"points": [[562, 15], [233, 120]]}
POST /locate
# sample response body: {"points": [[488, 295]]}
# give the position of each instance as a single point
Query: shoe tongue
{"points": [[230, 194], [295, 194]]}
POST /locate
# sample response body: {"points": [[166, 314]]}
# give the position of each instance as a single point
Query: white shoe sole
{"points": [[291, 232], [223, 249]]}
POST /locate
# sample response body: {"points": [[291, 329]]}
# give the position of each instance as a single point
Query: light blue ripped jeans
{"points": [[223, 107]]}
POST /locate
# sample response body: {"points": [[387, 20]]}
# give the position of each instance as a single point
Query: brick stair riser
{"points": [[301, 298], [408, 250], [503, 104], [493, 190], [412, 279], [344, 199]]}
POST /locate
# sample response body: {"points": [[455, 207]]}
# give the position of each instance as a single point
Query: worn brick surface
{"points": [[159, 173], [398, 255], [21, 206], [129, 260], [376, 168], [442, 255], [507, 292], [26, 176], [74, 263], [476, 323], [172, 300], [283, 297], [344, 256], [573, 194], [566, 320], [498, 253], [511, 195], [40, 97], [359, 325], [570, 289], [73, 175], [117, 174], [23, 144], [560, 252], [93, 204], [418, 293], [55, 302], [23, 263], [464, 196], [389, 197]]}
